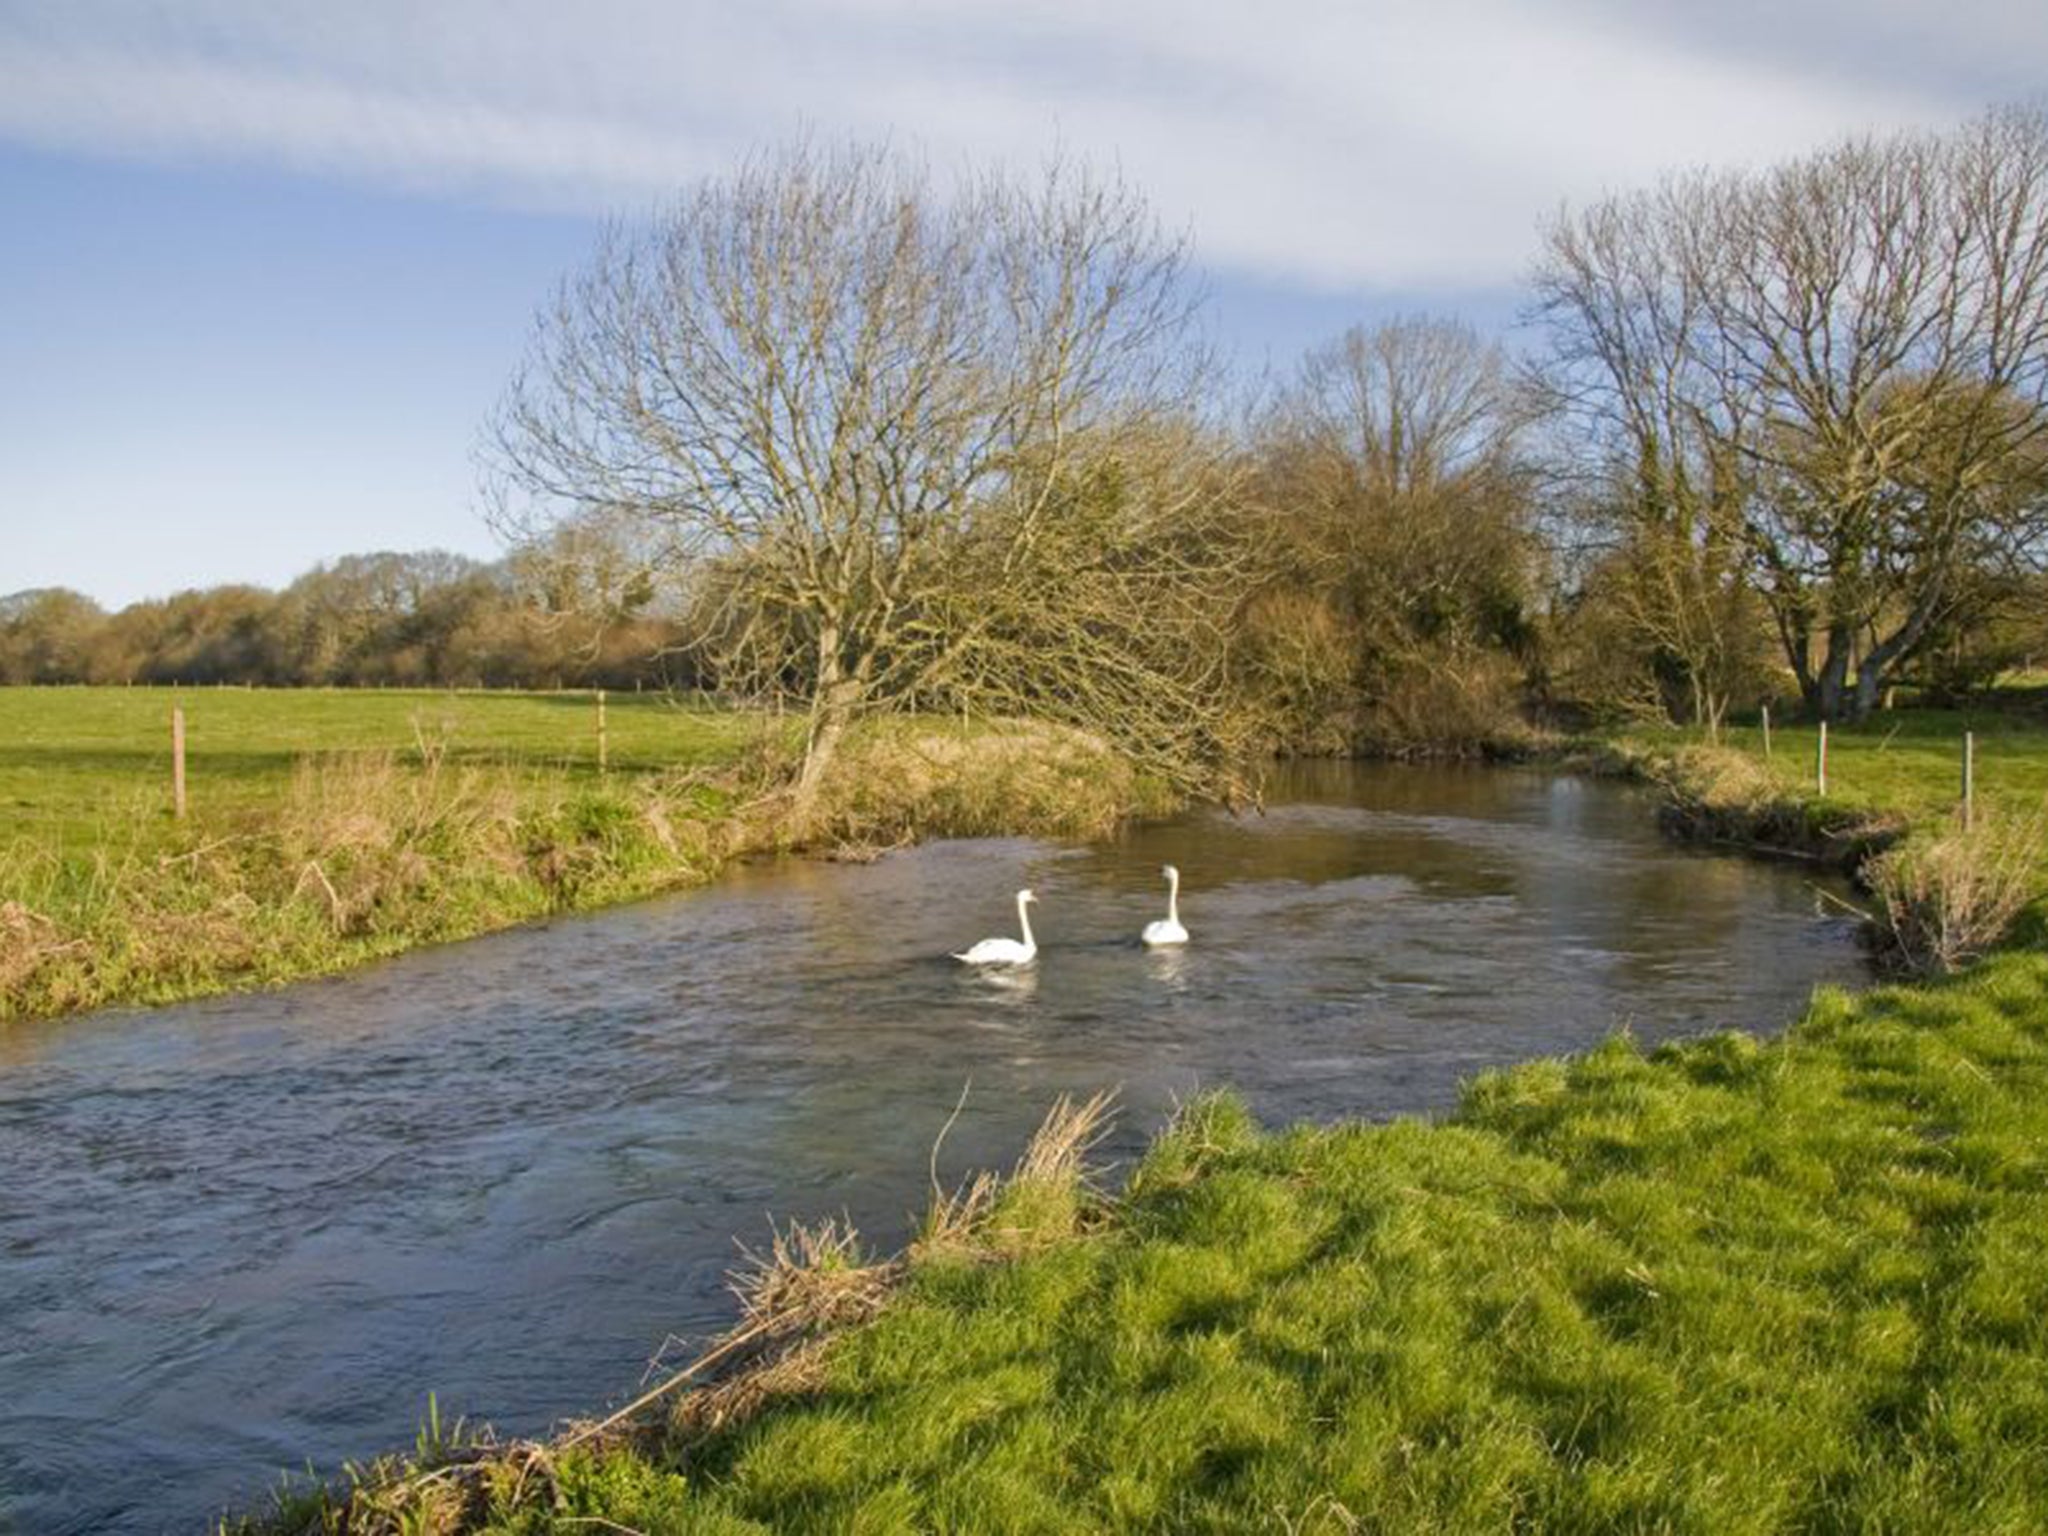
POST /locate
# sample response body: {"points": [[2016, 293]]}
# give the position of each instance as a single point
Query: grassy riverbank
{"points": [[1898, 768], [1726, 1286], [1944, 886], [327, 828]]}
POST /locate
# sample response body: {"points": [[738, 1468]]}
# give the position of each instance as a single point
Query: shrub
{"points": [[1944, 902], [1465, 704]]}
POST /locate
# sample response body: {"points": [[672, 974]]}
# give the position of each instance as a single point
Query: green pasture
{"points": [[329, 828], [1909, 761], [75, 761]]}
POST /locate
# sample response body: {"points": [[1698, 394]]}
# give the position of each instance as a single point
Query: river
{"points": [[245, 1234]]}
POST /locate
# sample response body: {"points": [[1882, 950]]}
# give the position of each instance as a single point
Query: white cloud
{"points": [[1395, 144]]}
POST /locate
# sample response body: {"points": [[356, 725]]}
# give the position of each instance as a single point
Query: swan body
{"points": [[1167, 930], [1007, 951]]}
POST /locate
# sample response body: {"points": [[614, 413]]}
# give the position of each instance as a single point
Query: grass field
{"points": [[328, 828], [1907, 761], [72, 757], [1727, 1287]]}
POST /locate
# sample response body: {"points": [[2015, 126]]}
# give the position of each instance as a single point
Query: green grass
{"points": [[1726, 1286], [1723, 1287], [1907, 761], [1940, 891], [69, 756], [329, 828]]}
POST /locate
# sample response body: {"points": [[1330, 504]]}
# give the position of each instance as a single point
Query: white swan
{"points": [[1007, 951], [1167, 930]]}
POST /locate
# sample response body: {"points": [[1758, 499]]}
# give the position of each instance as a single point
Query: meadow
{"points": [[72, 760], [1905, 762], [1723, 1287], [325, 828]]}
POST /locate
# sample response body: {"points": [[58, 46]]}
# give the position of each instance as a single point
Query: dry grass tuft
{"points": [[895, 781], [795, 1371], [1720, 777], [1948, 901], [367, 833], [1718, 794], [1057, 1153], [955, 1219], [808, 1279], [29, 942], [1051, 1191]]}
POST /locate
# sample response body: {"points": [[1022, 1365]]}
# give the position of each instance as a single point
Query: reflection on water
{"points": [[242, 1234]]}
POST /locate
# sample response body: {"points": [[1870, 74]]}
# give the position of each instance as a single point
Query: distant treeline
{"points": [[1773, 435], [431, 619]]}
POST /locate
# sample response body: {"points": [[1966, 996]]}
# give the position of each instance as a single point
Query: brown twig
{"points": [[722, 1351]]}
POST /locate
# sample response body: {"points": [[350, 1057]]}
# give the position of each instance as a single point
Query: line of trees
{"points": [[1818, 393], [429, 619], [830, 431], [894, 447]]}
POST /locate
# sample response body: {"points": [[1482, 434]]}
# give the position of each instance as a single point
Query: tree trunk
{"points": [[1877, 664], [1795, 634], [1825, 697], [838, 695], [830, 713]]}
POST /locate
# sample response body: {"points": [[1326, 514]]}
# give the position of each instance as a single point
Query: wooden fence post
{"points": [[1820, 760], [1969, 778], [603, 754], [1767, 730], [178, 761]]}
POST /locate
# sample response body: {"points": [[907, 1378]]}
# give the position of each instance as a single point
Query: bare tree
{"points": [[1395, 470], [855, 413], [1662, 629], [1840, 364], [1409, 409], [1656, 514]]}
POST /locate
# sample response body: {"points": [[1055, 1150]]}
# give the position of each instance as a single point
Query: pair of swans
{"points": [[1166, 930]]}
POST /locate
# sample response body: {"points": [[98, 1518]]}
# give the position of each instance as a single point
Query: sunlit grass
{"points": [[327, 828], [1952, 884], [1725, 1286], [71, 756], [1908, 761]]}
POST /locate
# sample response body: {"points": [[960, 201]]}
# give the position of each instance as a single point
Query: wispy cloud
{"points": [[1395, 144]]}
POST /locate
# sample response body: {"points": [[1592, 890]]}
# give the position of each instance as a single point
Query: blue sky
{"points": [[266, 265]]}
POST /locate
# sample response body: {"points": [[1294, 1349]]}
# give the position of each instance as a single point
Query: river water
{"points": [[242, 1235]]}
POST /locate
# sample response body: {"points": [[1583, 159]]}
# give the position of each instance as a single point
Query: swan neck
{"points": [[1024, 919], [1173, 897]]}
